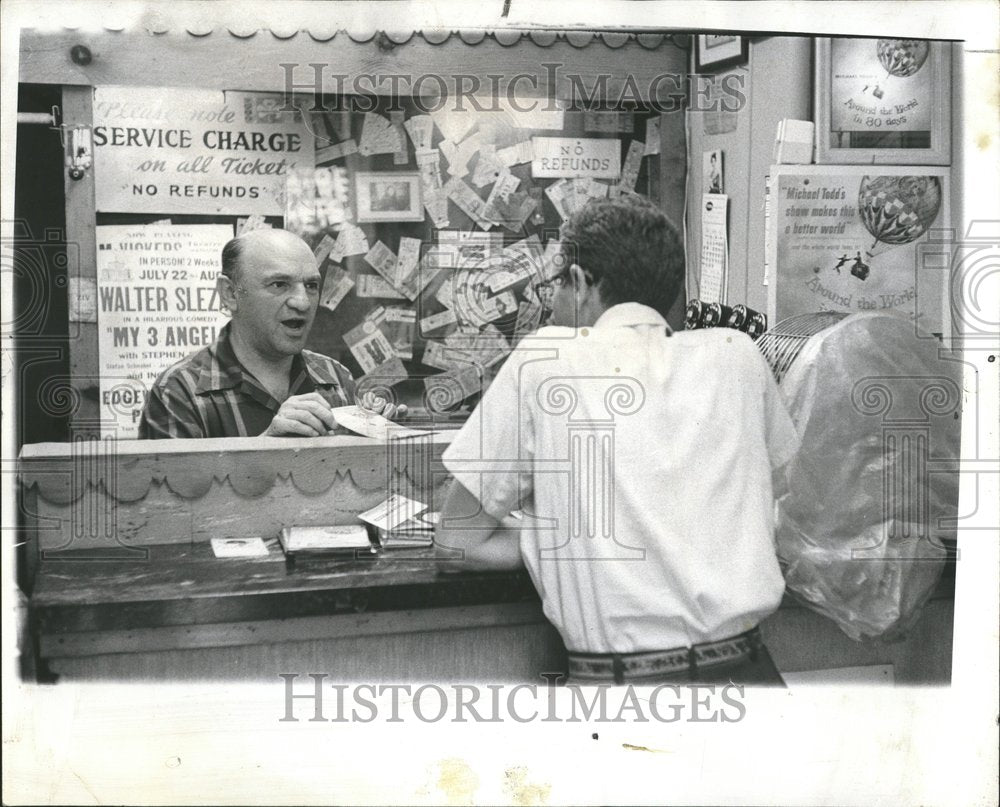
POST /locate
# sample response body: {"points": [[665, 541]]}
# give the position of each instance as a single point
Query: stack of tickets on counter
{"points": [[400, 522], [350, 541], [414, 532]]}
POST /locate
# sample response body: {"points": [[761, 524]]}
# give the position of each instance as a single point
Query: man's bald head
{"points": [[257, 243]]}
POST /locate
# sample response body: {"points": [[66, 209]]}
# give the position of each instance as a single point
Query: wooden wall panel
{"points": [[77, 108]]}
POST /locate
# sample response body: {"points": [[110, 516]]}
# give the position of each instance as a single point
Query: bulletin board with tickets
{"points": [[436, 231]]}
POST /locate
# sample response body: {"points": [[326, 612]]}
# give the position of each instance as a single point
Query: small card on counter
{"points": [[325, 540], [368, 424], [239, 547]]}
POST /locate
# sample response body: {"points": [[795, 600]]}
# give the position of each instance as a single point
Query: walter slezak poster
{"points": [[156, 304], [848, 238]]}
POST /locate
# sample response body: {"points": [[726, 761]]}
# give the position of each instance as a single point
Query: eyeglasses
{"points": [[556, 282]]}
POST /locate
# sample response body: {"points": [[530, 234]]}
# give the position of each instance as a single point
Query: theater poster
{"points": [[859, 238], [156, 304], [166, 150]]}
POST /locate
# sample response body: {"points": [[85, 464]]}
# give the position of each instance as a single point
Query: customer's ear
{"points": [[581, 277]]}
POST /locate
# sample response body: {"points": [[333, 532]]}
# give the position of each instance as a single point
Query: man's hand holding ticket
{"points": [[369, 423]]}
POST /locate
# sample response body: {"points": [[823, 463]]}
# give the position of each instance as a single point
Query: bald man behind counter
{"points": [[257, 378]]}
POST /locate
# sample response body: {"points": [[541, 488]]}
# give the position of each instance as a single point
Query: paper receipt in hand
{"points": [[368, 424], [392, 512]]}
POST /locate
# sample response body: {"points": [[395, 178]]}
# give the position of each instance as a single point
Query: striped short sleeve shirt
{"points": [[210, 394]]}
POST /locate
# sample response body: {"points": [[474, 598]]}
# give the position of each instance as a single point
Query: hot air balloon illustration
{"points": [[895, 210], [902, 57]]}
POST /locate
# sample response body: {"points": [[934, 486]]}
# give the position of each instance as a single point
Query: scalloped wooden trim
{"points": [[61, 473], [160, 24]]}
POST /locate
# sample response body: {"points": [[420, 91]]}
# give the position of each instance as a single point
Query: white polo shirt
{"points": [[642, 462]]}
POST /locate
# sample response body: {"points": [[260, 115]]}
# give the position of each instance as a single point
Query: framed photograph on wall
{"points": [[387, 196], [883, 101], [712, 52], [853, 238]]}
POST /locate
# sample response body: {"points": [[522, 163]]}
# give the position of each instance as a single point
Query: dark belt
{"points": [[621, 666]]}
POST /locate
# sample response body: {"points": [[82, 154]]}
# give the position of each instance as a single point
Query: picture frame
{"points": [[714, 51], [858, 238], [387, 196], [883, 101]]}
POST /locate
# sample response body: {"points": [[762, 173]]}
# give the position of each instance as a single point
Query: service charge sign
{"points": [[168, 151], [156, 304]]}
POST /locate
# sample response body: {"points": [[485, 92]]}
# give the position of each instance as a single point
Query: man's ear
{"points": [[580, 278], [227, 292]]}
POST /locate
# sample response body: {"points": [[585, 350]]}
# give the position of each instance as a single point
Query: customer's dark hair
{"points": [[630, 249]]}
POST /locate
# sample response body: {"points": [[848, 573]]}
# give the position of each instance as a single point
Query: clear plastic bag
{"points": [[873, 492]]}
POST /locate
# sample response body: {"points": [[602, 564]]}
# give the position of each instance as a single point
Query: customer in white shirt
{"points": [[642, 461]]}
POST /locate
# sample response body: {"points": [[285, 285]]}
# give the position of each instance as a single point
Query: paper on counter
{"points": [[392, 512], [325, 539], [239, 547]]}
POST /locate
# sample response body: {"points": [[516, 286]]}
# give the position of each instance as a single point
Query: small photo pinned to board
{"points": [[712, 171]]}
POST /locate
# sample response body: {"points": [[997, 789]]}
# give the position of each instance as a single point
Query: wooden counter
{"points": [[123, 583], [183, 613]]}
